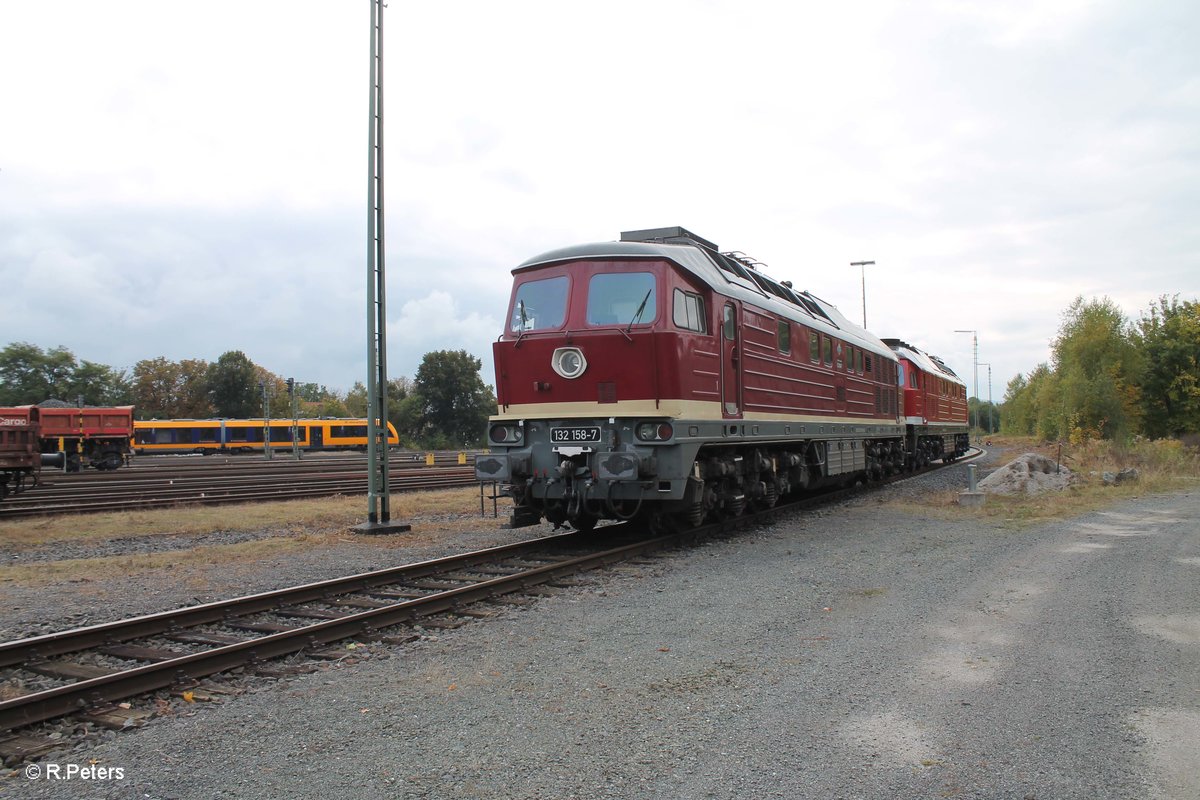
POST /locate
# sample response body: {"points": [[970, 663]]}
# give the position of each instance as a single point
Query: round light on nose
{"points": [[505, 433], [654, 431], [568, 362]]}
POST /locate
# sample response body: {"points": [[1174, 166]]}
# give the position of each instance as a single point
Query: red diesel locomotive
{"points": [[658, 377], [935, 406]]}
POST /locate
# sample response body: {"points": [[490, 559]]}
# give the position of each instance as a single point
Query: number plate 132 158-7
{"points": [[576, 435]]}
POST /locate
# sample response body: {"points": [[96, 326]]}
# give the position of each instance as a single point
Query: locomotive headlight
{"points": [[505, 434], [654, 431], [568, 362]]}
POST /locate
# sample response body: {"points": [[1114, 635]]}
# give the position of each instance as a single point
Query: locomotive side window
{"points": [[689, 311], [814, 346], [540, 305], [785, 337], [827, 347], [730, 323], [621, 298]]}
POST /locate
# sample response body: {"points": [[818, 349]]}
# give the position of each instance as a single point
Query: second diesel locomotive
{"points": [[659, 377]]}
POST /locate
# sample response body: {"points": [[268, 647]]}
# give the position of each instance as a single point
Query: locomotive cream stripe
{"points": [[677, 409]]}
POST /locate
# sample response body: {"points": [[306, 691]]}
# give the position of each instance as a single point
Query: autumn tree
{"points": [[165, 389]]}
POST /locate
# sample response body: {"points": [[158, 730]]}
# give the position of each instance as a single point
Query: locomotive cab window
{"points": [[621, 298], [540, 305], [730, 322], [689, 311], [827, 350], [814, 346]]}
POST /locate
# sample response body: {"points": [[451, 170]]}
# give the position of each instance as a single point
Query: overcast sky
{"points": [[183, 179]]}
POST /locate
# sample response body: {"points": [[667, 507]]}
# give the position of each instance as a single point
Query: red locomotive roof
{"points": [[725, 274]]}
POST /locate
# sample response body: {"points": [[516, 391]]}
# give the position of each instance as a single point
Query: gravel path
{"points": [[859, 652]]}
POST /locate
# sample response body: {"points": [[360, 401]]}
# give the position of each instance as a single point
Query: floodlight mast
{"points": [[862, 265], [975, 363]]}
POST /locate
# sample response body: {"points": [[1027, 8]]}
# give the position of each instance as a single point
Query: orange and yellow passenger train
{"points": [[247, 435]]}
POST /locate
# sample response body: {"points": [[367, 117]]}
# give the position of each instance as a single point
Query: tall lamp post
{"points": [[989, 427], [862, 265], [975, 362]]}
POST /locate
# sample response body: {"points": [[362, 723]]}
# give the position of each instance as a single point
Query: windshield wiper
{"points": [[524, 322], [640, 309]]}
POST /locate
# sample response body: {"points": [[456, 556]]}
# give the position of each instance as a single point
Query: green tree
{"points": [[233, 386], [1098, 369], [356, 400], [1170, 342], [1018, 418], [449, 403], [99, 385], [30, 375]]}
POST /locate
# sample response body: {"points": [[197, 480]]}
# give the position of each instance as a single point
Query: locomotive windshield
{"points": [[540, 305], [621, 298]]}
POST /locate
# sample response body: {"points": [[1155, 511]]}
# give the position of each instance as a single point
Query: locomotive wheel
{"points": [[770, 495], [584, 523], [661, 523], [109, 461], [734, 507]]}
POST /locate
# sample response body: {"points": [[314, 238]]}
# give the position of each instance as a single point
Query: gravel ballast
{"points": [[858, 652]]}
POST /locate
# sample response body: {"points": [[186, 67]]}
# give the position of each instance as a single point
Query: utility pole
{"points": [[862, 265], [975, 362], [291, 384], [266, 420], [379, 515]]}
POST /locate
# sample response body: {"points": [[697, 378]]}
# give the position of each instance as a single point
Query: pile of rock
{"points": [[1029, 474]]}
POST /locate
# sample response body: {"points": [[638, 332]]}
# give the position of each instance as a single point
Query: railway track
{"points": [[96, 666], [106, 663], [238, 481]]}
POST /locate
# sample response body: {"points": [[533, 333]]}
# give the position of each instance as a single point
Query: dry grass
{"points": [[1163, 466], [291, 526], [295, 515], [85, 569]]}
